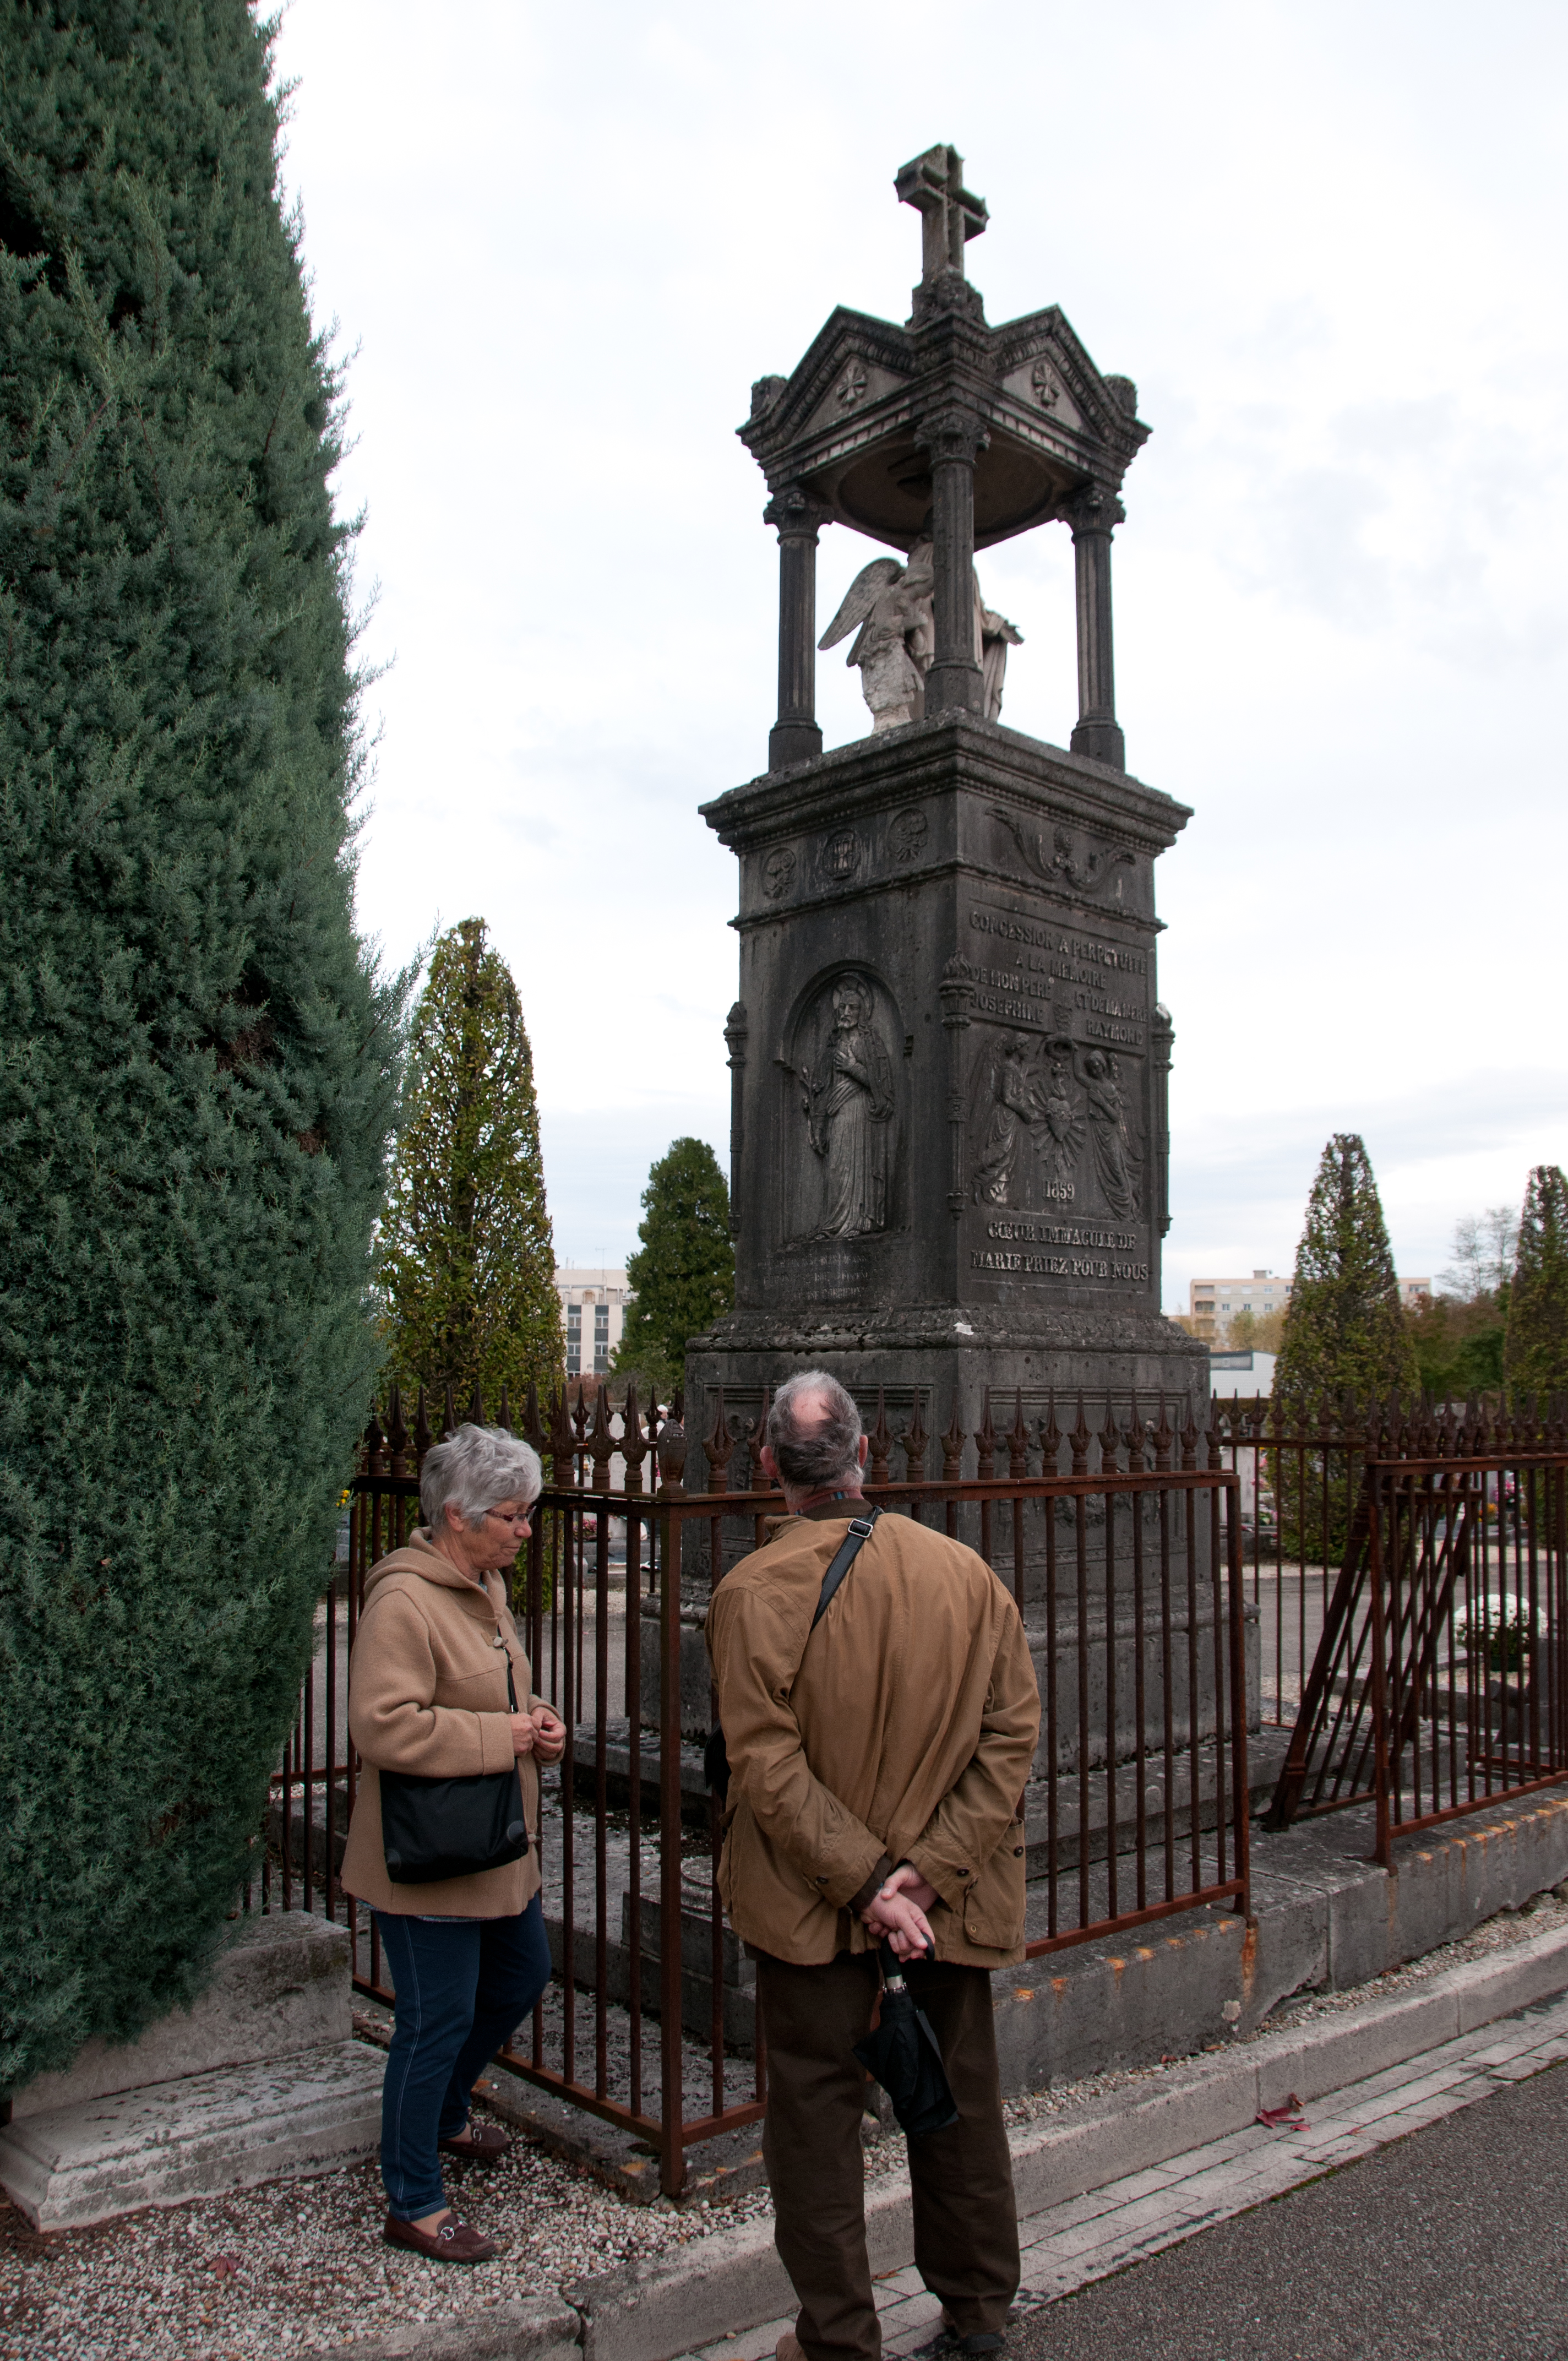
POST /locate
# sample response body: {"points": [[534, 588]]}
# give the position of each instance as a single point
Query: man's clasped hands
{"points": [[895, 1914]]}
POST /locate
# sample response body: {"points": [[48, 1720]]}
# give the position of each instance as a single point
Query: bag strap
{"points": [[844, 1557]]}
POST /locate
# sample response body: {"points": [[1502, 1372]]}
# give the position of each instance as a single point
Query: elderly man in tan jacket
{"points": [[877, 1770]]}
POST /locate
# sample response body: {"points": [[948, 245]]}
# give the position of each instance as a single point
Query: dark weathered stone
{"points": [[949, 1062], [991, 901]]}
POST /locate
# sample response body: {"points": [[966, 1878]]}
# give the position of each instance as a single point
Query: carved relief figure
{"points": [[1059, 1139], [1114, 1161], [1002, 1130], [848, 1104], [892, 605]]}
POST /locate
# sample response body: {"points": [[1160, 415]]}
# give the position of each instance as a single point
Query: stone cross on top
{"points": [[934, 183]]}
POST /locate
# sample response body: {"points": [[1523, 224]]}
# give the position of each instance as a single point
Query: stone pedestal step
{"points": [[312, 2111], [281, 1986]]}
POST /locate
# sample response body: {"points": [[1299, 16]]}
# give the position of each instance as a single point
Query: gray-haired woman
{"points": [[428, 1695]]}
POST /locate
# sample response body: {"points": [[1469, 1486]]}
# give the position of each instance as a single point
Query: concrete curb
{"points": [[674, 2305], [534, 2329]]}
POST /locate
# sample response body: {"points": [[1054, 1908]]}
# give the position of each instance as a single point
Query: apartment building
{"points": [[593, 1312], [1211, 1303]]}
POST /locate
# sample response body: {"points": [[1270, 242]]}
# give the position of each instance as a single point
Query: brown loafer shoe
{"points": [[788, 2347], [486, 2143], [451, 2242]]}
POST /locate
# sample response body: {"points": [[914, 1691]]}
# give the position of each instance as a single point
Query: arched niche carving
{"points": [[844, 1117]]}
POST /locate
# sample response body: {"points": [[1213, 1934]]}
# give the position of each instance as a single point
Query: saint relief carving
{"points": [[1050, 1129], [1116, 1164], [848, 1100]]}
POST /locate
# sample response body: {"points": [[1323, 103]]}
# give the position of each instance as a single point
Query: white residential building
{"points": [[1213, 1301], [1210, 1302], [593, 1312]]}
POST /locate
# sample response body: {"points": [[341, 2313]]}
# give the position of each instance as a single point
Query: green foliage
{"points": [[1458, 1345], [1535, 1352], [197, 1061], [1344, 1328], [467, 1266], [1247, 1330], [1345, 1331], [683, 1272]]}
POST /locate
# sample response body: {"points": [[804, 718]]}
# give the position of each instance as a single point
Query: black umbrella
{"points": [[903, 2056]]}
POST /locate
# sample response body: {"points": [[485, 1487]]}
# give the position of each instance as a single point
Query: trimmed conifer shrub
{"points": [[467, 1266], [1345, 1326], [1344, 1336], [197, 1058], [1535, 1347], [683, 1274]]}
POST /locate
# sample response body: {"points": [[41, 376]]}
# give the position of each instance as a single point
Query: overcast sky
{"points": [[1327, 243]]}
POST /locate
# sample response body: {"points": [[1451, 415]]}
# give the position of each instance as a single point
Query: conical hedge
{"points": [[466, 1264], [196, 1057], [1345, 1326], [1535, 1344]]}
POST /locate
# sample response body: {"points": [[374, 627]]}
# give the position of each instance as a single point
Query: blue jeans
{"points": [[463, 1987]]}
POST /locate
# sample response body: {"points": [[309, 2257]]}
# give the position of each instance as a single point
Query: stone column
{"points": [[956, 992], [796, 737], [735, 1031], [953, 441], [1162, 1043], [1094, 514]]}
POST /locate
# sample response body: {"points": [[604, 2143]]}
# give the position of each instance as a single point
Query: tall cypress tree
{"points": [[683, 1275], [197, 1058], [466, 1268], [1345, 1326], [1535, 1346]]}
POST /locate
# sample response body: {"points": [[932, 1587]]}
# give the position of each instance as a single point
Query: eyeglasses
{"points": [[510, 1516]]}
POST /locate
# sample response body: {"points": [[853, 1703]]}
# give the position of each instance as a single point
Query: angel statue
{"points": [[897, 638]]}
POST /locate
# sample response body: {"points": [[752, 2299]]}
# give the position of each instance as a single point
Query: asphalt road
{"points": [[1452, 2241]]}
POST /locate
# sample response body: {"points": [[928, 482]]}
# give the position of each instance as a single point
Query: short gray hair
{"points": [[474, 1469], [814, 1431]]}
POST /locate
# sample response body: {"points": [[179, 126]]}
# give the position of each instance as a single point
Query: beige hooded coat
{"points": [[902, 1728], [427, 1692]]}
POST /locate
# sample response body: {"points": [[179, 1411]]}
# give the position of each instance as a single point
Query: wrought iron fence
{"points": [[1123, 1545], [1439, 1682]]}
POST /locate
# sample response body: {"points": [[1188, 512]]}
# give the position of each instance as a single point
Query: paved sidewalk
{"points": [[1071, 2244]]}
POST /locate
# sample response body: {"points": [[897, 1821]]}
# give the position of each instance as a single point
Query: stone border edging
{"points": [[733, 2281]]}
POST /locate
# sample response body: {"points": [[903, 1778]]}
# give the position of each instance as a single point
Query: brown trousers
{"points": [[966, 2225]]}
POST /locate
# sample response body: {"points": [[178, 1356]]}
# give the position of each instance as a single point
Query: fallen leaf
{"points": [[1286, 2117], [225, 2266]]}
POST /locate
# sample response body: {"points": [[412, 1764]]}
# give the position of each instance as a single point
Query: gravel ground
{"points": [[299, 2267]]}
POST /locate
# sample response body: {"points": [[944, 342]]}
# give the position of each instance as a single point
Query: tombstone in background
{"points": [[948, 1131]]}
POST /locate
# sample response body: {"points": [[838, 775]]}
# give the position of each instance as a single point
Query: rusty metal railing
{"points": [[1439, 1685], [1123, 1543]]}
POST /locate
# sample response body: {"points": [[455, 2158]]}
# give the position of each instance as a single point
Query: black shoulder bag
{"points": [[434, 1829], [715, 1759]]}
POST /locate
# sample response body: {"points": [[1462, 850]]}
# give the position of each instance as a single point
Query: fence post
{"points": [[672, 2107], [1383, 1854], [1243, 1795]]}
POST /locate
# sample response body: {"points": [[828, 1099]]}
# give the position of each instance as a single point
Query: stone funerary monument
{"points": [[949, 1064]]}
